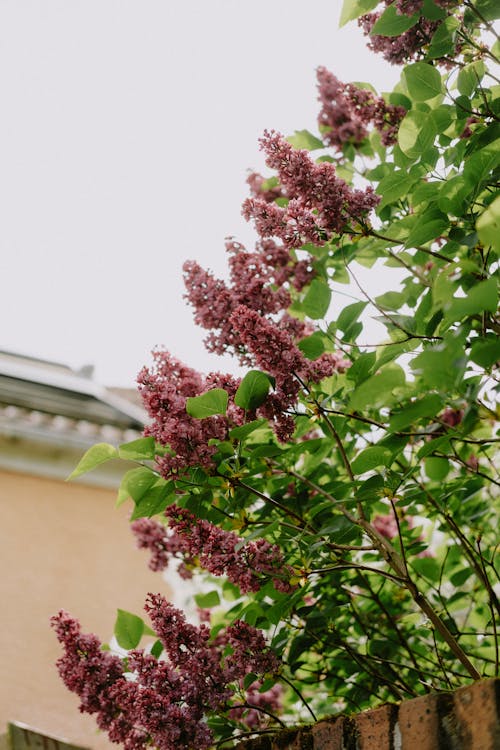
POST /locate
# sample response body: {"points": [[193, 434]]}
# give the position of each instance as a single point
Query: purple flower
{"points": [[161, 702], [320, 203]]}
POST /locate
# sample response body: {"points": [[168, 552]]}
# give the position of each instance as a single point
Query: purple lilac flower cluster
{"points": [[164, 389], [320, 203], [162, 702], [411, 44], [248, 565], [274, 351], [347, 110], [259, 280]]}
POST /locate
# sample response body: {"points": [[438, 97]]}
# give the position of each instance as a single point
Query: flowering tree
{"points": [[341, 497]]}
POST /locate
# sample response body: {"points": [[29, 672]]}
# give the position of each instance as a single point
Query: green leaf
{"points": [[481, 297], [489, 9], [427, 406], [349, 315], [362, 367], [488, 225], [129, 629], [440, 443], [305, 139], [370, 458], [394, 187], [135, 483], [431, 225], [441, 365], [416, 133], [317, 299], [469, 77], [437, 468], [154, 501], [253, 390], [241, 432], [208, 600], [391, 300], [138, 450], [378, 390], [157, 649], [428, 567], [443, 40], [352, 9], [98, 454], [423, 81], [208, 404], [453, 195], [312, 346], [392, 23], [486, 352]]}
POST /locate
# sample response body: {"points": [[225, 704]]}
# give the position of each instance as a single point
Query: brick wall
{"points": [[468, 719]]}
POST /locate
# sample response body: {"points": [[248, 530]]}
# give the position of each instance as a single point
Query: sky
{"points": [[126, 135]]}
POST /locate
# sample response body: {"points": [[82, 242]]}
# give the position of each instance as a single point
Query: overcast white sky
{"points": [[126, 132]]}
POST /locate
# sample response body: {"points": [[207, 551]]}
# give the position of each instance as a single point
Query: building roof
{"points": [[49, 410]]}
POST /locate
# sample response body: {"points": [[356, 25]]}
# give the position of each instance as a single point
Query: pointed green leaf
{"points": [[349, 315], [352, 9], [370, 458], [138, 450], [135, 483], [489, 9], [208, 600], [392, 23], [394, 186], [470, 77], [317, 299], [240, 433], [155, 500], [432, 225], [98, 454], [305, 139], [208, 404], [443, 40], [253, 390], [129, 629]]}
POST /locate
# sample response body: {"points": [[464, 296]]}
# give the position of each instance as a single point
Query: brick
{"points": [[328, 735], [293, 740], [477, 708], [374, 729], [418, 723]]}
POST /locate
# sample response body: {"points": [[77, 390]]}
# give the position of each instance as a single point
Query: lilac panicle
{"points": [[162, 702], [320, 203], [223, 553]]}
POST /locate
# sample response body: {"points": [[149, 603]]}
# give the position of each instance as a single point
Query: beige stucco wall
{"points": [[61, 546]]}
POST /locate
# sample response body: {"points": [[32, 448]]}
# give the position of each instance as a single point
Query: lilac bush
{"points": [[340, 499]]}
